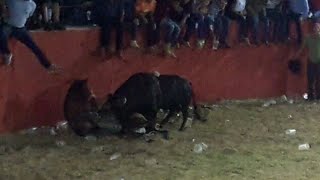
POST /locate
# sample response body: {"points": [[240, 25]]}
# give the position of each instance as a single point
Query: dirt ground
{"points": [[244, 139]]}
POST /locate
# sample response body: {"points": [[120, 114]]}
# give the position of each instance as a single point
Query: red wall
{"points": [[30, 97]]}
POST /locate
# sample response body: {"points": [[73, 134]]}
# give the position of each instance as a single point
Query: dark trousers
{"points": [[296, 19], [256, 20], [313, 72], [22, 35], [106, 27], [276, 24], [222, 24], [153, 31], [191, 26], [242, 22], [172, 31], [131, 27], [204, 27]]}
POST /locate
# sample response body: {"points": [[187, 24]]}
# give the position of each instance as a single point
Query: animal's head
{"points": [[295, 66], [111, 110], [82, 86], [112, 104]]}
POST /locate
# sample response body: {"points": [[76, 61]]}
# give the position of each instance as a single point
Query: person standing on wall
{"points": [[297, 11], [312, 43], [16, 13], [109, 15]]}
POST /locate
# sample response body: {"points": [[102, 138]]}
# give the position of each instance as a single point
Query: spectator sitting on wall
{"points": [[222, 23], [275, 19], [190, 8], [145, 11], [109, 14], [312, 42], [236, 10], [160, 13], [203, 32], [131, 22], [217, 24], [171, 25], [297, 11], [256, 11], [51, 18], [17, 13]]}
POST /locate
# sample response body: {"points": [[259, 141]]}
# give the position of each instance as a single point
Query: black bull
{"points": [[142, 93], [145, 93]]}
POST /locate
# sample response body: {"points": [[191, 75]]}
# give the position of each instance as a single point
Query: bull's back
{"points": [[142, 91], [176, 91], [76, 102]]}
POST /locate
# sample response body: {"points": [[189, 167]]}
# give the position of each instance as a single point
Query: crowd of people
{"points": [[175, 21], [172, 21]]}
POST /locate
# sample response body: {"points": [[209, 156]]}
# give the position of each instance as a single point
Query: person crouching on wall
{"points": [[109, 14]]}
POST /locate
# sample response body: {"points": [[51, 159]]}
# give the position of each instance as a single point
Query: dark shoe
{"points": [[34, 26], [59, 26], [224, 46], [267, 43], [48, 27], [256, 43]]}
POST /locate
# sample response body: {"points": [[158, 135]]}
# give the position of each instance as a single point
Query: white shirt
{"points": [[19, 12], [239, 6], [271, 4]]}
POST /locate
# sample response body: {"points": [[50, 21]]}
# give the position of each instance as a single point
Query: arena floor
{"points": [[245, 141]]}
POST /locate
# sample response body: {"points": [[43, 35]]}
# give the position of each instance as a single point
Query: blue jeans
{"points": [[22, 35], [255, 25], [222, 24], [276, 21], [191, 26], [172, 31], [204, 27], [316, 15], [296, 18], [131, 27]]}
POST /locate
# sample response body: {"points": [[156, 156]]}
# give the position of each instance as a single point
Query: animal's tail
{"points": [[194, 103]]}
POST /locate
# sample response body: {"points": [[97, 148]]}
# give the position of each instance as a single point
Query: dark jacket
{"points": [[256, 7], [107, 9]]}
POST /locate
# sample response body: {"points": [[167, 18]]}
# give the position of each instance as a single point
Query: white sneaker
{"points": [[201, 44], [53, 69], [187, 44], [215, 45], [7, 59], [134, 44]]}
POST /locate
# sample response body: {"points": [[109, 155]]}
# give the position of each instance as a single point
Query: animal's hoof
{"points": [[181, 129], [203, 120], [166, 135]]}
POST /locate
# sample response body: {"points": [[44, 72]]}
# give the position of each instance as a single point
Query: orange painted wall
{"points": [[31, 97]]}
